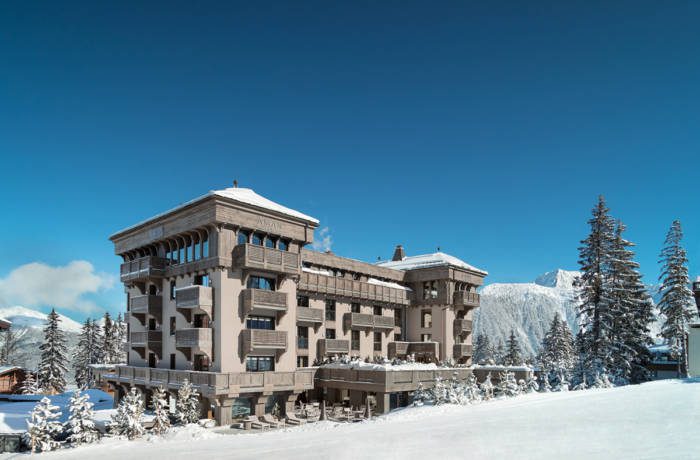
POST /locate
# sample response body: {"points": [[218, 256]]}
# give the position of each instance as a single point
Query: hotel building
{"points": [[223, 292]]}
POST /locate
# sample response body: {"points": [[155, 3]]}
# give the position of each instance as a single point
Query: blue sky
{"points": [[485, 129]]}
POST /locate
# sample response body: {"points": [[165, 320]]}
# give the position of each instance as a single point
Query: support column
{"points": [[259, 405], [383, 403], [223, 411], [289, 403]]}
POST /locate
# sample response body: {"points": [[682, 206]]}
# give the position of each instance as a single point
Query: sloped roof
{"points": [[240, 195], [436, 259]]}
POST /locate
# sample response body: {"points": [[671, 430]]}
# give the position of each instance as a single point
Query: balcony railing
{"points": [[307, 315], [143, 305], [143, 269], [194, 299], [462, 326], [252, 256], [333, 347], [151, 339], [466, 299], [461, 350], [264, 301], [421, 350], [352, 289], [368, 321], [263, 340], [193, 341]]}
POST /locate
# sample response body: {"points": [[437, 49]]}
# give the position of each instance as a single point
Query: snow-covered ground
{"points": [[653, 420]]}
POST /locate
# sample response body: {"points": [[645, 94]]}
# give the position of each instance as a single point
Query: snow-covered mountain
{"points": [[33, 319], [527, 308]]}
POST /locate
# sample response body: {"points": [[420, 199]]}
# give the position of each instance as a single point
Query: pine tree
{"points": [[594, 311], [471, 390], [52, 366], [513, 356], [121, 339], [161, 420], [499, 353], [81, 425], [557, 354], [483, 352], [632, 311], [82, 357], [420, 395], [187, 404], [43, 427], [532, 385], [128, 419], [110, 346], [676, 298], [487, 388], [439, 392], [30, 385], [97, 355]]}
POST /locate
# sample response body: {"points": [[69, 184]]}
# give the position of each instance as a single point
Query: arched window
{"points": [[283, 245], [426, 319], [258, 239], [243, 237], [205, 245], [270, 242]]}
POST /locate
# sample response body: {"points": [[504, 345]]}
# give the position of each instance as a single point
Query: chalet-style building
{"points": [[222, 291]]}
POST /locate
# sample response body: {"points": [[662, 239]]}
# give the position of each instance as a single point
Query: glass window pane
{"points": [[258, 239]]}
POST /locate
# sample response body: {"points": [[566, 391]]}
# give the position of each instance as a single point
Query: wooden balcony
{"points": [[193, 300], [143, 269], [263, 340], [466, 299], [143, 305], [462, 326], [151, 340], [352, 289], [423, 351], [215, 383], [333, 347], [256, 257], [311, 316], [368, 321], [262, 301], [194, 341], [461, 350]]}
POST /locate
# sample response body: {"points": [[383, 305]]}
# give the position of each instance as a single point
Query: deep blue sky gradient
{"points": [[487, 129]]}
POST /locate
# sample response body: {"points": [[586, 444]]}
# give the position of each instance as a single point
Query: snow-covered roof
{"points": [[390, 284], [428, 260], [6, 369], [241, 195]]}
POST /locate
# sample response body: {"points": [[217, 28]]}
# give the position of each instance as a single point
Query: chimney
{"points": [[235, 183], [399, 253]]}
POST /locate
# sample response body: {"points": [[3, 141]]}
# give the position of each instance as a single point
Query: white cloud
{"points": [[39, 285], [323, 241]]}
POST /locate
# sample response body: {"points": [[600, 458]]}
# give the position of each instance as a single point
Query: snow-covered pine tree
{"points": [[161, 420], [187, 404], [81, 357], [52, 365], [30, 385], [594, 291], [110, 347], [499, 353], [557, 355], [128, 419], [471, 389], [81, 425], [43, 427], [632, 311], [676, 298], [545, 387], [512, 387], [12, 341], [502, 387], [487, 388], [420, 395], [513, 357], [531, 384], [483, 352], [438, 394], [121, 339]]}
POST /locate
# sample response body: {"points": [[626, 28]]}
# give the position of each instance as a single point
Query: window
{"points": [[302, 361], [397, 337], [172, 325], [259, 364], [426, 338], [302, 337], [172, 290], [283, 245], [190, 250], [330, 334], [340, 274], [270, 242], [152, 325], [302, 301], [128, 301], [260, 322], [172, 361], [398, 317], [356, 276], [355, 307], [202, 280], [377, 310], [330, 309], [430, 290], [205, 246], [377, 341], [258, 239], [259, 282], [200, 321], [243, 237], [426, 319], [355, 340], [197, 250]]}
